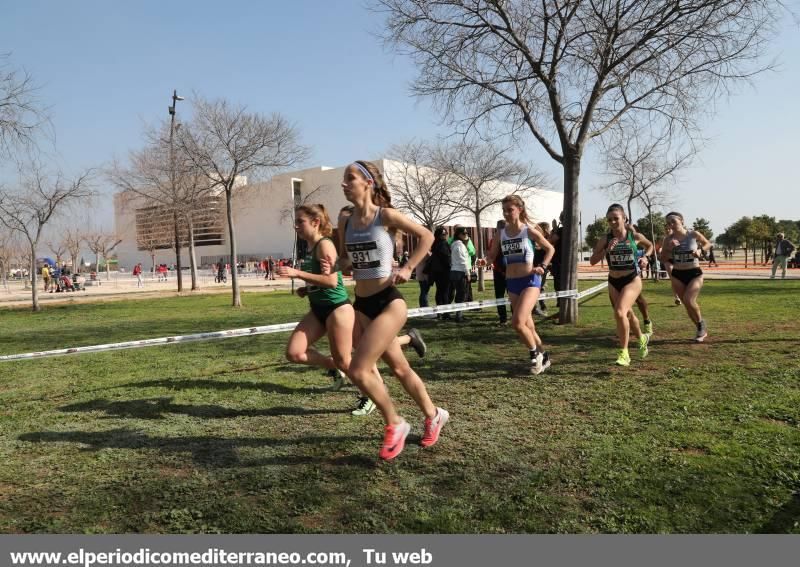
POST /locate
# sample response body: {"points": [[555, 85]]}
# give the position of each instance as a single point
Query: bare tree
{"points": [[227, 143], [101, 243], [638, 164], [40, 198], [57, 247], [8, 252], [21, 115], [169, 183], [484, 174], [73, 239], [566, 72], [420, 188]]}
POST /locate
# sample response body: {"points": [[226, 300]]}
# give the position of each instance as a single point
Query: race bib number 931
{"points": [[364, 255]]}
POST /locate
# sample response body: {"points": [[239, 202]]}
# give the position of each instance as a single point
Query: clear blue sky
{"points": [[108, 68]]}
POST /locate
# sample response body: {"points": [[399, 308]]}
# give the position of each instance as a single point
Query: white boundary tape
{"points": [[279, 328]]}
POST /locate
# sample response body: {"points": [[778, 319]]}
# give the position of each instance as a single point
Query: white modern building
{"points": [[263, 217]]}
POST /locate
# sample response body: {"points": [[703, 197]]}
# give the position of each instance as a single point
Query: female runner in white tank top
{"points": [[523, 280], [380, 308], [682, 250]]}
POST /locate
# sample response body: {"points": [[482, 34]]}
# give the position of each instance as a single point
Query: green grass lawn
{"points": [[225, 436]]}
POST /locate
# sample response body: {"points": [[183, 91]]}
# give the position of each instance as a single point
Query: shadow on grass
{"points": [[731, 341], [212, 452], [785, 520], [158, 408], [189, 384]]}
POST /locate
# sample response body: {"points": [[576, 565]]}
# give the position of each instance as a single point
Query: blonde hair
{"points": [[517, 201], [317, 212]]}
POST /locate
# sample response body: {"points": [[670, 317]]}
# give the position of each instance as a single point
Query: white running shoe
{"points": [[537, 363]]}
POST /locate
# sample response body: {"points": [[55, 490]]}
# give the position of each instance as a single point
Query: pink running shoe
{"points": [[394, 439], [433, 427]]}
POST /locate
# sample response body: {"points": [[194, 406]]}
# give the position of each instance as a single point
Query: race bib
{"points": [[682, 256], [511, 247], [364, 255], [621, 258]]}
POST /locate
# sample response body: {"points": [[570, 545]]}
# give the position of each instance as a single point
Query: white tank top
{"points": [[516, 249]]}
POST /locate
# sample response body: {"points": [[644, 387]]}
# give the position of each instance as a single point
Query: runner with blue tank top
{"points": [[682, 249], [331, 312], [620, 249], [516, 243], [380, 308]]}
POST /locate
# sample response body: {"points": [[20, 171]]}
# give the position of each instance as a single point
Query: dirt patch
{"points": [[785, 422], [694, 451]]}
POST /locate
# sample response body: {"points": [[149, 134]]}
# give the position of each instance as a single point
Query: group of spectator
{"points": [[58, 279], [450, 266]]}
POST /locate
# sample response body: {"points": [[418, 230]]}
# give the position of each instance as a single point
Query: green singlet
{"points": [[322, 295]]}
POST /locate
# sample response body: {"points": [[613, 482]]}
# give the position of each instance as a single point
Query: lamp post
{"points": [[175, 99]]}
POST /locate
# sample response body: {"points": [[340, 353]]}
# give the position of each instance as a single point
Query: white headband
{"points": [[364, 170]]}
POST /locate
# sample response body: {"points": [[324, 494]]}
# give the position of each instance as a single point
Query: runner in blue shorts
{"points": [[516, 243]]}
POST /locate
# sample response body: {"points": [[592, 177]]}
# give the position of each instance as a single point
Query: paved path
{"points": [[124, 286]]}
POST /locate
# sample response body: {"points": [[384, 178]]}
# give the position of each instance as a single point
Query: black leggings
{"points": [[499, 293], [442, 281]]}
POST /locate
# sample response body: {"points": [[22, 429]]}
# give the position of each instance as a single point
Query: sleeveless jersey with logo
{"points": [[623, 256], [371, 249], [322, 295], [683, 257], [516, 249]]}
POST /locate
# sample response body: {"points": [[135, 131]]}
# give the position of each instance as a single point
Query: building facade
{"points": [[263, 218]]}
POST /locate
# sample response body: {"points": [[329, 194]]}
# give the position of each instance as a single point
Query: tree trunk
{"points": [[480, 250], [34, 286], [192, 259], [153, 262], [108, 269], [630, 213], [568, 308], [178, 264], [237, 299]]}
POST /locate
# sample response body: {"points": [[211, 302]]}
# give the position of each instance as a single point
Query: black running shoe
{"points": [[417, 343]]}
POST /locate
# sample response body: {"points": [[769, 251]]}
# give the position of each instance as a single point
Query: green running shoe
{"points": [[643, 351], [623, 358], [648, 328]]}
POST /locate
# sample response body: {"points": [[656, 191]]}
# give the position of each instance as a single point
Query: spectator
{"points": [[46, 277], [438, 267], [459, 267], [711, 258], [540, 308], [423, 280], [472, 256], [783, 250], [556, 237], [499, 276], [137, 273]]}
